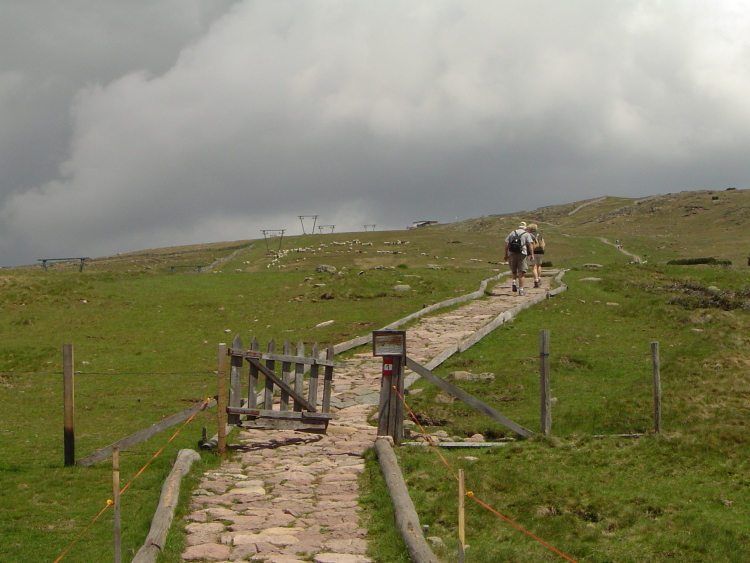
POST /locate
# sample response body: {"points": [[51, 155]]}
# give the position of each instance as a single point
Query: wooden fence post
{"points": [[116, 497], [286, 375], [252, 381], [235, 381], [656, 367], [312, 388], [69, 440], [299, 375], [544, 389], [461, 516], [221, 400], [271, 365], [391, 346]]}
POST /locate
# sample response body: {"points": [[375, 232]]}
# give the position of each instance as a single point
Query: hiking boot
{"points": [[514, 288], [521, 292], [536, 283]]}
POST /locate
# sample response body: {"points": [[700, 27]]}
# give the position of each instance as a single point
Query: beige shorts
{"points": [[517, 262]]}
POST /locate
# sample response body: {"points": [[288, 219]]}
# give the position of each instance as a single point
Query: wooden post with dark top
{"points": [[69, 440]]}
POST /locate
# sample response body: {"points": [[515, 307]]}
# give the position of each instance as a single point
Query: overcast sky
{"points": [[127, 125]]}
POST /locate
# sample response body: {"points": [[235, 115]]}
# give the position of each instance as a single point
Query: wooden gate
{"points": [[297, 399]]}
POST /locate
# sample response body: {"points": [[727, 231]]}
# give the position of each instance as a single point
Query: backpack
{"points": [[514, 243], [539, 243]]}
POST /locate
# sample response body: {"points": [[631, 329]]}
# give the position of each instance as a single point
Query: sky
{"points": [[149, 123]]}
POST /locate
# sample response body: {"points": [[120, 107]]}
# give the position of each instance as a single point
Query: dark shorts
{"points": [[517, 262]]}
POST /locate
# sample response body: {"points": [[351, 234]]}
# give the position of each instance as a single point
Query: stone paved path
{"points": [[288, 496]]}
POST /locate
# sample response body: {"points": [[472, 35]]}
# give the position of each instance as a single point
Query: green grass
{"points": [[146, 342], [145, 347], [678, 496]]}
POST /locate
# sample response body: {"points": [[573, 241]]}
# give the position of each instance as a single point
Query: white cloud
{"points": [[383, 112]]}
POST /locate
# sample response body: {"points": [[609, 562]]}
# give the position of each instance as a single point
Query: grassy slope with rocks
{"points": [[145, 346]]}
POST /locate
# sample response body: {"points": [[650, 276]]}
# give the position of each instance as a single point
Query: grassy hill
{"points": [[145, 327]]}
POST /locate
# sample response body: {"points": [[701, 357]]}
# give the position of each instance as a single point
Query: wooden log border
{"points": [[407, 519], [170, 493]]}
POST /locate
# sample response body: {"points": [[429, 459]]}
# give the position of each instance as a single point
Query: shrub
{"points": [[692, 261]]}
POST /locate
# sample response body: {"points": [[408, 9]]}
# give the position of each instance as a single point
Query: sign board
{"points": [[389, 343]]}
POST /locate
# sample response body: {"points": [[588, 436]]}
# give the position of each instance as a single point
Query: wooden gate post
{"points": [[544, 392], [656, 366], [391, 345], [221, 400], [116, 497], [69, 440], [235, 381]]}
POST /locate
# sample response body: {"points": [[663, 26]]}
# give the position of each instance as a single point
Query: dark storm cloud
{"points": [[160, 124]]}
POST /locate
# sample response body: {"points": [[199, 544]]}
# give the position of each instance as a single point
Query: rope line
{"points": [[160, 450], [471, 494], [429, 438], [512, 523], [110, 502], [86, 529]]}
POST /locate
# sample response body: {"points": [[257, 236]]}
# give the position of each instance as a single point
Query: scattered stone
{"points": [[326, 323], [592, 266], [325, 269], [468, 376], [475, 438], [436, 542], [402, 287], [591, 279], [443, 398], [207, 552]]}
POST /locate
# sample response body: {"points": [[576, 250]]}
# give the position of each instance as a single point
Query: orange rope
{"points": [[471, 494], [512, 523], [160, 450], [429, 438], [106, 506], [110, 502]]}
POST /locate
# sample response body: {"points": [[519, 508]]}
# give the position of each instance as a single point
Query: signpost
{"points": [[391, 346]]}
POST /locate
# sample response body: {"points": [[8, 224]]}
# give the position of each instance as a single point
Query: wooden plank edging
{"points": [[144, 434], [170, 493], [407, 519], [502, 318], [367, 339]]}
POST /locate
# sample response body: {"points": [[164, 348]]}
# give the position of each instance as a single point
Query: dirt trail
{"points": [[635, 257], [288, 495]]}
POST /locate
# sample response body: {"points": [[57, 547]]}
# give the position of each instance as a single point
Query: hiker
{"points": [[518, 245], [536, 260]]}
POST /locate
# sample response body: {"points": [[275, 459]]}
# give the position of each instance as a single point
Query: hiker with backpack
{"points": [[518, 245], [536, 261]]}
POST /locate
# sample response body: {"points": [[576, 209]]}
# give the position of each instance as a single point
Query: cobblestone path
{"points": [[288, 496]]}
